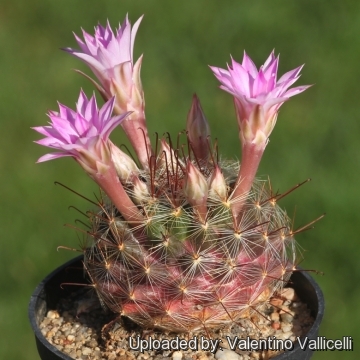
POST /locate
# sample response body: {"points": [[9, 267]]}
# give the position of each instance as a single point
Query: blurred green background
{"points": [[317, 134]]}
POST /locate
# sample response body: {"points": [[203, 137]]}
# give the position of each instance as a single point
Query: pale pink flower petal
{"points": [[72, 132], [109, 55], [252, 88], [106, 49], [258, 95]]}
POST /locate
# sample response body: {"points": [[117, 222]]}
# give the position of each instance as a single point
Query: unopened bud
{"points": [[196, 187], [218, 187], [124, 165], [198, 130], [141, 191], [168, 157]]}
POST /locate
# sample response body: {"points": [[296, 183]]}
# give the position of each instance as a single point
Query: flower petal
{"points": [[51, 156], [82, 130], [249, 66], [258, 94]]}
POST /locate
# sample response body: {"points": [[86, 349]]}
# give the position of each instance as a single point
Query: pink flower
{"points": [[110, 57], [82, 134], [258, 95]]}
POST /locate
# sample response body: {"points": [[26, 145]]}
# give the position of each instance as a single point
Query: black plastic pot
{"points": [[47, 293]]}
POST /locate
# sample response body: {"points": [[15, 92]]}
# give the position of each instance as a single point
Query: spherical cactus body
{"points": [[184, 269]]}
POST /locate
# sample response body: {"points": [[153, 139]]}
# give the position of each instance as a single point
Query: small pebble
{"points": [[287, 317], [70, 338], [177, 355], [91, 343], [79, 338], [202, 357], [286, 327], [45, 322], [285, 335], [86, 351], [288, 293], [50, 334], [255, 355], [52, 314], [58, 321], [276, 325], [226, 354]]}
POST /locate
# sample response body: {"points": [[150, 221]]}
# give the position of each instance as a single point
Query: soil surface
{"points": [[78, 327]]}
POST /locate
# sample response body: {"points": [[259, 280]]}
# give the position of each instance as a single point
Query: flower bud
{"points": [[141, 191], [167, 156], [198, 130], [196, 187], [217, 188], [124, 165]]}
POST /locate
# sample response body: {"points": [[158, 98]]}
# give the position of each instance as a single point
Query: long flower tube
{"points": [[258, 95], [83, 134]]}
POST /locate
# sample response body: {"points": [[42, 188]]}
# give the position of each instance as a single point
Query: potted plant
{"points": [[182, 241]]}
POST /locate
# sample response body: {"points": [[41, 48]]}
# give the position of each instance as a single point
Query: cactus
{"points": [[184, 240], [181, 271]]}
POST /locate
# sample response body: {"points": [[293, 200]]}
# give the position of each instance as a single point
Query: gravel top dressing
{"points": [[78, 328]]}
